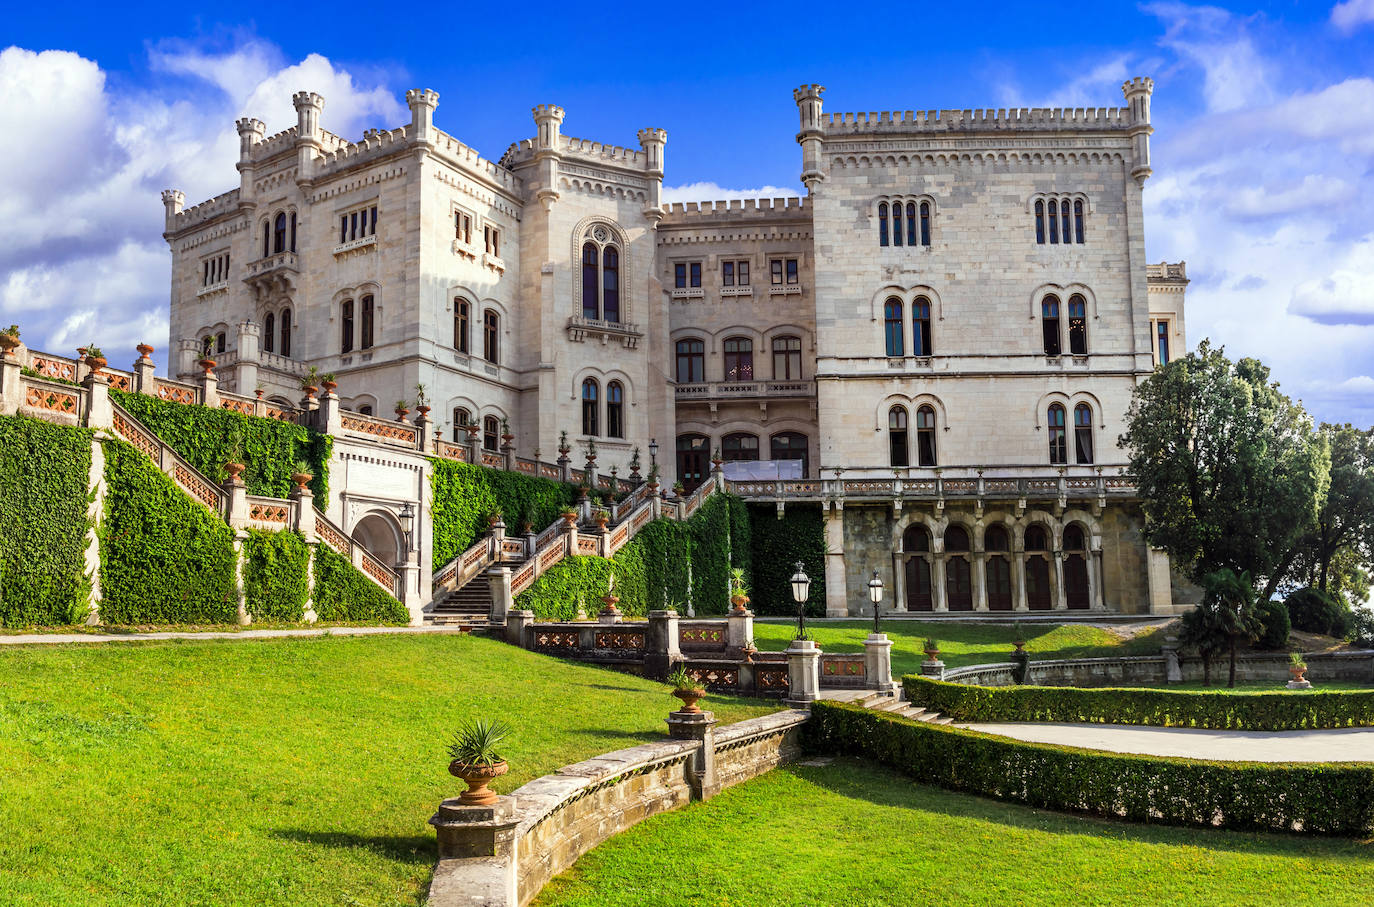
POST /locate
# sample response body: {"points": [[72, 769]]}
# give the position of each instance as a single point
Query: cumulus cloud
{"points": [[1345, 296], [707, 192], [1351, 14], [1235, 74]]}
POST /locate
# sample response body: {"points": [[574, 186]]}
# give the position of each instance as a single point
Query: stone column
{"points": [[803, 673], [937, 583], [11, 389], [305, 512], [1018, 567], [145, 379], [209, 389], [1095, 580], [1061, 601], [739, 631], [424, 432], [701, 769], [486, 833], [243, 617], [235, 503], [329, 416], [898, 583], [661, 649], [878, 662], [250, 344], [836, 590], [502, 602], [980, 585], [99, 411], [95, 484]]}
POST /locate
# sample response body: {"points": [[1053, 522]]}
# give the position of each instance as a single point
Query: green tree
{"points": [[1204, 629], [1337, 554], [1232, 595], [1228, 468]]}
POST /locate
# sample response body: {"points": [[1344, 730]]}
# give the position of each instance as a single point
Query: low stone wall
{"points": [[1322, 667], [504, 855]]}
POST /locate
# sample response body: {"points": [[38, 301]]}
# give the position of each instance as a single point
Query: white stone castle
{"points": [[939, 341]]}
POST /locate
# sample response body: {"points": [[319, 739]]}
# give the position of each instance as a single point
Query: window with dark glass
{"points": [[1059, 453], [727, 273], [920, 327], [346, 327], [269, 330], [462, 324], [365, 409], [792, 273], [1083, 433], [789, 445], [734, 273], [691, 460], [680, 276], [1078, 221], [492, 240], [286, 333], [1078, 326], [615, 410], [368, 323], [491, 323], [898, 451], [610, 284], [461, 418], [279, 233], [1054, 222], [694, 273], [1040, 222], [739, 359], [787, 359], [739, 446], [925, 436], [896, 223], [775, 272], [591, 262], [1067, 224], [892, 327], [925, 223], [590, 406], [1162, 341], [207, 346], [491, 433], [266, 239], [882, 224], [221, 342], [912, 237], [462, 227], [691, 362], [293, 231], [1049, 324]]}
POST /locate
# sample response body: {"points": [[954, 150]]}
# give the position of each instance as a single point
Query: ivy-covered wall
{"points": [[276, 582], [466, 496], [209, 438], [343, 593], [44, 472], [777, 545], [165, 558]]}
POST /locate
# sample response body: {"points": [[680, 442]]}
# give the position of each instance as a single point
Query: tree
{"points": [[1204, 629], [1233, 597], [1337, 554], [1229, 470]]}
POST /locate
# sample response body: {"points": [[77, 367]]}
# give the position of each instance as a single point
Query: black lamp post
{"points": [[653, 452], [407, 525], [801, 591], [875, 595]]}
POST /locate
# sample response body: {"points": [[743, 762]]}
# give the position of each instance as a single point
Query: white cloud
{"points": [[708, 192], [1235, 75], [1351, 14], [1345, 296], [1271, 201]]}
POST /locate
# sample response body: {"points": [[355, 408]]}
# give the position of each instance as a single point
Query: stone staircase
{"points": [[886, 702], [468, 606]]}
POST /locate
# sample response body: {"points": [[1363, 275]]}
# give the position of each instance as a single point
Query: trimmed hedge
{"points": [[776, 546], [1317, 798], [44, 474], [343, 593], [207, 438], [465, 496], [276, 583], [165, 558], [1217, 710]]}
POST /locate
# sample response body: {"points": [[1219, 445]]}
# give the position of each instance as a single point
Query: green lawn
{"points": [[852, 833], [298, 771], [960, 643]]}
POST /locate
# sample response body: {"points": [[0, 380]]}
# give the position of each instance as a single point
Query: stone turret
{"points": [[422, 103], [1137, 92], [308, 108], [251, 132], [548, 137], [652, 142], [812, 134], [172, 202]]}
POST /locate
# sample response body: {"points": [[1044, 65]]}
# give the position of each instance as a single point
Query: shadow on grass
{"points": [[860, 779], [415, 849], [613, 733]]}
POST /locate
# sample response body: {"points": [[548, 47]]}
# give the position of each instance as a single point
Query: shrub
{"points": [[1363, 631], [1274, 617], [1277, 711], [1321, 798], [275, 575], [777, 544], [1313, 611], [343, 593], [465, 496]]}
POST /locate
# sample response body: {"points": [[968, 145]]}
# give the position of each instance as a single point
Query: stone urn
{"points": [[310, 391], [1296, 673], [477, 777], [401, 413], [422, 410], [740, 601], [690, 698], [610, 600], [472, 428], [96, 362], [570, 517], [233, 470], [329, 386], [932, 655], [601, 519], [1020, 646], [144, 350], [301, 479], [8, 343], [207, 365]]}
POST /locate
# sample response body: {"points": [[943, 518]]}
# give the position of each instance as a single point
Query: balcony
{"points": [[688, 293], [273, 274], [746, 390], [627, 335]]}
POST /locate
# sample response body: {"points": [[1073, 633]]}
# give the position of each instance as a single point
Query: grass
{"points": [[853, 833], [294, 771], [960, 644]]}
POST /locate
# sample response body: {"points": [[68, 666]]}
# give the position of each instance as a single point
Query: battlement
{"points": [[612, 154], [1024, 118], [735, 209], [468, 159], [375, 142], [275, 144], [205, 211], [1167, 271]]}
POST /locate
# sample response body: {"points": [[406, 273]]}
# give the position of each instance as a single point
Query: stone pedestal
{"points": [[487, 833], [1173, 672], [11, 395], [661, 649], [518, 624], [878, 662], [803, 673], [1299, 684], [935, 669], [99, 409], [739, 631], [501, 599], [701, 772]]}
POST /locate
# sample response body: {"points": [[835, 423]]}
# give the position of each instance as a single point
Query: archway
{"points": [[380, 536], [916, 548], [1076, 590]]}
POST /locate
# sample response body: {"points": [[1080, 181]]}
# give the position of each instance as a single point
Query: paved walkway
{"points": [[1334, 745], [30, 639]]}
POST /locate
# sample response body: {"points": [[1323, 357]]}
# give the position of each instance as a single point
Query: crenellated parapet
{"points": [[1031, 119], [179, 219], [466, 158], [735, 209]]}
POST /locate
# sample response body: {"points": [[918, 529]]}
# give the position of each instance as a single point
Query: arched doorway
{"points": [[380, 536], [691, 460], [997, 567], [916, 547], [1038, 596], [958, 575], [1076, 567]]}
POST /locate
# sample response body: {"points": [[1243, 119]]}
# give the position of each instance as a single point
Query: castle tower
{"points": [[172, 202], [422, 103], [251, 132], [308, 108], [652, 142], [548, 121], [1137, 92], [812, 135]]}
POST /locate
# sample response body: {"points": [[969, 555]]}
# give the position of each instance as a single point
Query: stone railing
{"points": [[730, 390], [385, 577], [1006, 483]]}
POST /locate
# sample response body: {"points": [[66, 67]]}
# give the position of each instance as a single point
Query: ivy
{"points": [[208, 438], [165, 558], [275, 581], [343, 593], [44, 473], [777, 544], [465, 497], [710, 555]]}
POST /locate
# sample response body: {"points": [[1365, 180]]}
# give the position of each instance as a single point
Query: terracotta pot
{"points": [[97, 363], [689, 698], [144, 350], [477, 777], [206, 363], [258, 393], [1020, 646], [472, 431], [716, 463], [301, 479], [610, 602], [401, 414], [233, 469], [422, 410], [310, 391], [570, 518], [329, 386], [8, 342], [932, 654], [508, 437], [1297, 671]]}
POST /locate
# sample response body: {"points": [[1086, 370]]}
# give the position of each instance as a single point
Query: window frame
{"points": [[1057, 433], [491, 336], [1051, 332], [1078, 325], [927, 451], [921, 344], [615, 409], [462, 325], [894, 328], [346, 326], [741, 356], [367, 317], [491, 433], [785, 374], [1083, 451], [898, 437], [591, 407], [734, 449], [691, 355]]}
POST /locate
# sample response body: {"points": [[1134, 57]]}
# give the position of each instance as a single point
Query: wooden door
{"points": [[1076, 581], [918, 597], [959, 585], [1038, 583], [998, 581]]}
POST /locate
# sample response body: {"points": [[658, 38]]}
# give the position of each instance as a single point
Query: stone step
{"points": [[888, 704]]}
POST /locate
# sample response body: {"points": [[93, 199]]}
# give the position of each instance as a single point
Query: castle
{"points": [[938, 343]]}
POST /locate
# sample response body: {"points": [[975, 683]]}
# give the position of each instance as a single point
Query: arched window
{"points": [[1058, 449], [997, 568], [1076, 591], [1083, 433], [892, 327], [279, 233], [1066, 224], [491, 433], [491, 325], [269, 330], [915, 539], [1037, 569], [461, 419], [1040, 222], [896, 223], [920, 327], [286, 333], [925, 223], [591, 263], [882, 224], [911, 224], [1036, 539], [293, 231], [266, 239], [365, 409], [1078, 221], [958, 570], [221, 342], [462, 324], [207, 346], [739, 359], [368, 319], [787, 364], [916, 545], [346, 326], [1073, 538], [691, 362], [1078, 326], [896, 437], [610, 284], [1054, 222], [1049, 324], [789, 445], [591, 403], [615, 410], [956, 539], [740, 446], [925, 436], [691, 460]]}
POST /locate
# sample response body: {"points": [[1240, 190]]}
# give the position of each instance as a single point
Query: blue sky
{"points": [[1264, 118]]}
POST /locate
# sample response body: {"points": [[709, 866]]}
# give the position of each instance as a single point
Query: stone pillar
{"points": [[935, 669], [424, 432], [1018, 566], [655, 502], [145, 379], [240, 536], [474, 448], [661, 649], [1061, 601], [209, 389], [836, 590], [701, 768], [564, 468], [310, 615], [502, 602], [803, 673], [898, 583], [305, 512], [1095, 580], [1173, 672], [739, 631], [519, 627], [939, 592], [878, 662], [980, 585], [329, 416], [487, 833], [235, 503], [99, 411], [250, 342], [11, 390]]}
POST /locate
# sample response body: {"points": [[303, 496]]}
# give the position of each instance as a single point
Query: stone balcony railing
{"points": [[736, 390], [581, 329]]}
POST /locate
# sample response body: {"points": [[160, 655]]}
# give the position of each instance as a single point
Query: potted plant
{"points": [[421, 399], [591, 452], [301, 476], [144, 350], [569, 515], [310, 382], [716, 458], [686, 688], [634, 464], [506, 436], [494, 519], [932, 649], [206, 361], [259, 391], [235, 465], [653, 478], [601, 518], [472, 428], [1018, 637], [563, 447], [328, 382], [96, 359], [476, 758], [678, 488], [9, 339], [1296, 667], [739, 590], [526, 521]]}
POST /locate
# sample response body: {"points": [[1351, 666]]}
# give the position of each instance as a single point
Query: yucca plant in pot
{"points": [[1296, 666], [9, 339], [477, 759], [686, 688], [739, 590]]}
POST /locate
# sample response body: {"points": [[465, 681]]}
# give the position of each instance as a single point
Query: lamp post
{"points": [[653, 452], [875, 595], [407, 525], [801, 590]]}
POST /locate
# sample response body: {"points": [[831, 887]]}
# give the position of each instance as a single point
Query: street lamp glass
{"points": [[875, 588], [653, 447], [801, 585]]}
